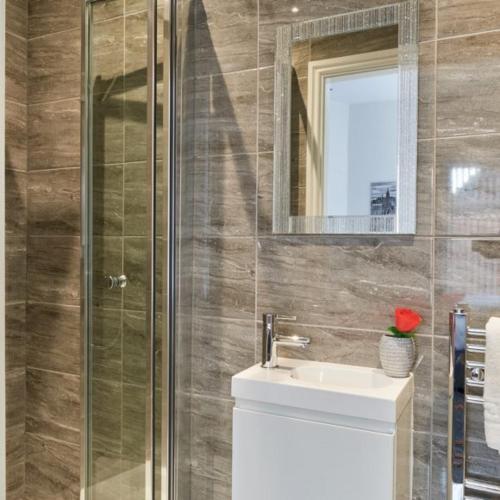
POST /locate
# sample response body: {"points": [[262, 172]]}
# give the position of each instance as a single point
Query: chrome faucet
{"points": [[271, 339]]}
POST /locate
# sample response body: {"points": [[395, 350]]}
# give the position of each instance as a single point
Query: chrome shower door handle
{"points": [[113, 282]]}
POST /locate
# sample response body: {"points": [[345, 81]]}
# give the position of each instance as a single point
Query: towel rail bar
{"points": [[464, 373]]}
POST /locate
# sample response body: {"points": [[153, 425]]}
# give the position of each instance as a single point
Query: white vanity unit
{"points": [[320, 431]]}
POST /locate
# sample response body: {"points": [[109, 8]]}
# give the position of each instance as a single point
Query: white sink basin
{"points": [[341, 376], [324, 388]]}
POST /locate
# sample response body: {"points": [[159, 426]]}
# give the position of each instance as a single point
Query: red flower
{"points": [[407, 320]]}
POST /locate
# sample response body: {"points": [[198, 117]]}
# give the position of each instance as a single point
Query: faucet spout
{"points": [[271, 340]]}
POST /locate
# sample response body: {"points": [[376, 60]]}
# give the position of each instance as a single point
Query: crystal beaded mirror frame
{"points": [[404, 15]]}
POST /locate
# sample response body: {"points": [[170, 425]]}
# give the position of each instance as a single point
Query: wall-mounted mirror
{"points": [[346, 123]]}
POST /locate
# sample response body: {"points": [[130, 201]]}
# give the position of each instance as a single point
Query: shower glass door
{"points": [[121, 238]]}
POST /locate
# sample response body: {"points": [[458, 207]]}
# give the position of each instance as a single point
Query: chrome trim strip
{"points": [[476, 332], [482, 486], [456, 408], [476, 348], [151, 257], [475, 400], [85, 249]]}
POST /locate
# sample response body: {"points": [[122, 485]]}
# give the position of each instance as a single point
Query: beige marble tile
{"points": [[107, 190], [15, 203], [468, 96], [53, 341], [53, 405], [51, 16], [211, 423], [421, 465], [225, 36], [135, 348], [468, 178], [426, 90], [232, 122], [103, 11], [16, 17], [107, 261], [266, 110], [439, 471], [427, 20], [135, 267], [224, 277], [134, 423], [425, 187], [54, 135], [106, 431], [135, 124], [107, 344], [15, 397], [54, 66], [52, 469], [15, 464], [15, 337], [265, 194], [16, 154], [341, 282], [466, 272], [54, 269], [16, 70], [54, 202], [461, 17], [136, 199], [15, 269], [226, 196], [221, 348], [440, 385]]}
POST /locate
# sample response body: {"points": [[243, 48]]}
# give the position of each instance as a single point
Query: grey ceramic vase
{"points": [[397, 355]]}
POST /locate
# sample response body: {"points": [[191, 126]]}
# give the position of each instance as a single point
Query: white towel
{"points": [[492, 384]]}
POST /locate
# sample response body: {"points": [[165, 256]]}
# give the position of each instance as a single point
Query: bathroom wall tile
{"points": [[136, 199], [426, 90], [15, 270], [132, 6], [467, 95], [107, 10], [468, 179], [51, 16], [132, 480], [57, 145], [439, 471], [427, 20], [15, 136], [16, 17], [107, 190], [232, 121], [425, 187], [54, 202], [440, 382], [136, 49], [52, 469], [15, 390], [107, 261], [266, 110], [460, 17], [135, 125], [265, 194], [134, 422], [135, 348], [226, 197], [53, 405], [106, 416], [107, 341], [53, 341], [466, 272], [221, 348], [108, 55], [224, 275], [135, 267], [54, 66], [15, 462], [15, 337], [15, 201], [54, 269], [225, 36], [341, 282], [105, 474], [211, 424], [16, 68], [421, 465]]}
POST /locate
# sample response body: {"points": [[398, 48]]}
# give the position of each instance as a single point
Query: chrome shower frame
{"points": [[167, 259]]}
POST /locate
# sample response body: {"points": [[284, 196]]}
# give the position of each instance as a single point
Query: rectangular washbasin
{"points": [[327, 388]]}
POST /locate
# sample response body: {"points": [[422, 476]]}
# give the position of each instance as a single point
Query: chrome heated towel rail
{"points": [[466, 380]]}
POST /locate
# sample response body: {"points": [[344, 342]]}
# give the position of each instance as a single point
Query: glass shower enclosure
{"points": [[126, 251]]}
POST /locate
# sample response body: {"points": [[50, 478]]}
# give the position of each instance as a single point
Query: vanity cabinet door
{"points": [[281, 458]]}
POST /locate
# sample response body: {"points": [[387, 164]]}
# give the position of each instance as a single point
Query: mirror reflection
{"points": [[344, 134]]}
